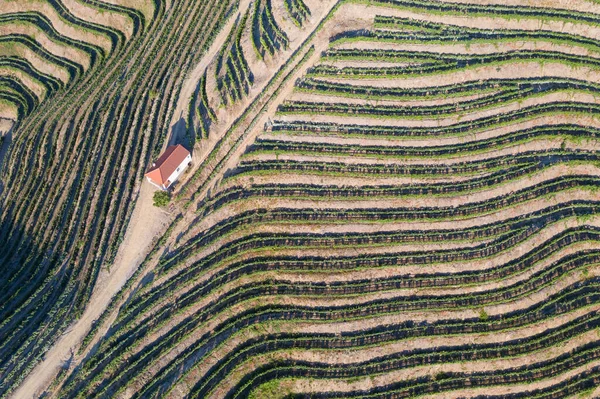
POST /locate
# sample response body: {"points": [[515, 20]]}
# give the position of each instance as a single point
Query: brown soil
{"points": [[104, 17], [145, 6], [32, 84], [584, 120], [64, 28], [318, 97], [8, 114], [58, 49], [39, 63], [474, 48], [534, 145], [443, 120]]}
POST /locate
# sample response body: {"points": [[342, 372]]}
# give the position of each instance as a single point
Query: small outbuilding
{"points": [[169, 166]]}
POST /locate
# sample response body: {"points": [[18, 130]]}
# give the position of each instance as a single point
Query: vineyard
{"points": [[387, 199]]}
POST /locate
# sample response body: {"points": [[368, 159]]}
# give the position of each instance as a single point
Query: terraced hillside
{"points": [[88, 93], [48, 45], [389, 199]]}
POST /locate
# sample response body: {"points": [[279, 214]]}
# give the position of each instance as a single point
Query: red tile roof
{"points": [[166, 164]]}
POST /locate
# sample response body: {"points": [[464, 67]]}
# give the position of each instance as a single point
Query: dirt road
{"points": [[146, 223], [189, 84]]}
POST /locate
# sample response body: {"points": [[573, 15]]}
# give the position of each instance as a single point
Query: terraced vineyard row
{"points": [[408, 207], [46, 46], [72, 172]]}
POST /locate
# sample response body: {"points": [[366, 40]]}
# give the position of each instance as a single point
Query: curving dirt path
{"points": [[145, 225], [191, 82]]}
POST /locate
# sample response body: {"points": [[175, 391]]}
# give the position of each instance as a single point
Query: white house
{"points": [[169, 166]]}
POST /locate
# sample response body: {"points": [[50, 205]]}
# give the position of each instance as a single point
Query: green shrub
{"points": [[161, 198], [483, 316]]}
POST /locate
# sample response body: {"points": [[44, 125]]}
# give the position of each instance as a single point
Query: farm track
{"points": [[389, 199], [102, 119]]}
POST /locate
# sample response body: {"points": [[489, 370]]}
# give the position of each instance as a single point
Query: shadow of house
{"points": [[179, 135]]}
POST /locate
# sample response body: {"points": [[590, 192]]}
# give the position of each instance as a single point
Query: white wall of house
{"points": [[175, 175]]}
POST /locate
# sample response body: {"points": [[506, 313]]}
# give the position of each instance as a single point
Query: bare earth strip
{"points": [[61, 26], [32, 84], [103, 17], [145, 6], [39, 63], [58, 49], [8, 112]]}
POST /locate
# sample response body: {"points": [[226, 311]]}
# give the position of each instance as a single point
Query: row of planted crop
{"points": [[407, 111], [23, 100], [144, 324], [96, 53], [74, 69], [566, 132], [571, 298], [518, 12], [43, 301], [480, 88], [267, 37], [225, 267], [116, 36], [541, 159], [261, 216], [50, 83], [503, 244], [479, 104], [96, 272], [258, 266], [155, 316], [234, 77], [581, 382], [272, 343], [311, 314], [249, 317], [204, 113], [458, 129], [340, 193], [298, 11], [428, 32], [431, 63]]}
